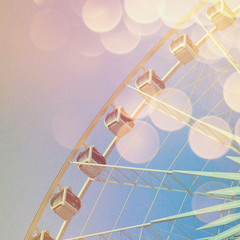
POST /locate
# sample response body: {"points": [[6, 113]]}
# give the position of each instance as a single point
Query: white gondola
{"points": [[184, 49], [221, 15], [43, 235], [91, 155], [119, 122], [65, 204], [150, 83]]}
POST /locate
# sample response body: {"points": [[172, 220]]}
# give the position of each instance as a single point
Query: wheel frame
{"points": [[101, 113]]}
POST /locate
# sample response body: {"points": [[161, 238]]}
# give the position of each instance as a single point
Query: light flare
{"points": [[120, 40], [140, 145], [204, 146], [49, 30], [177, 99], [102, 15], [142, 11], [231, 92]]}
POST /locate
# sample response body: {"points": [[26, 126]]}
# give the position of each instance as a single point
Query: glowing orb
{"points": [[140, 28], [102, 15], [204, 146], [142, 11], [130, 100], [177, 99], [140, 145], [230, 41], [49, 30], [173, 10], [208, 52], [120, 40], [231, 92]]}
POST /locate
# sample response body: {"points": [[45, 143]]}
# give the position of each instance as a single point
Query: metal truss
{"points": [[165, 180]]}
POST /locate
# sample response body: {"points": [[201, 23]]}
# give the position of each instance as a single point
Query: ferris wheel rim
{"points": [[102, 111]]}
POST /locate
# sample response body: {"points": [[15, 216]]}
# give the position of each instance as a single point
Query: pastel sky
{"points": [[61, 60]]}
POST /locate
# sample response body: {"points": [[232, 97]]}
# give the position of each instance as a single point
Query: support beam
{"points": [[221, 221], [126, 167], [110, 231], [236, 10], [139, 109], [235, 159], [232, 191], [159, 104], [216, 208], [228, 233], [223, 175], [171, 71], [205, 38], [110, 147]]}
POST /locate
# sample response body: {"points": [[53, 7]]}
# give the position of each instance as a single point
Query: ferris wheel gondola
{"points": [[221, 15], [65, 204], [150, 83], [184, 49], [91, 155], [119, 122]]}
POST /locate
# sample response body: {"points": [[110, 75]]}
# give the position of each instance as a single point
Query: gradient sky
{"points": [[56, 74]]}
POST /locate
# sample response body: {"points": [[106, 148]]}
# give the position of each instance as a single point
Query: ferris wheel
{"points": [[157, 200]]}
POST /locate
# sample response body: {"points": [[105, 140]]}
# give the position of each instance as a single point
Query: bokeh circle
{"points": [[49, 29], [204, 146], [102, 15], [140, 145]]}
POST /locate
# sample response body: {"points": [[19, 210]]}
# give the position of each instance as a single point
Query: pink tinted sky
{"points": [[55, 76]]}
